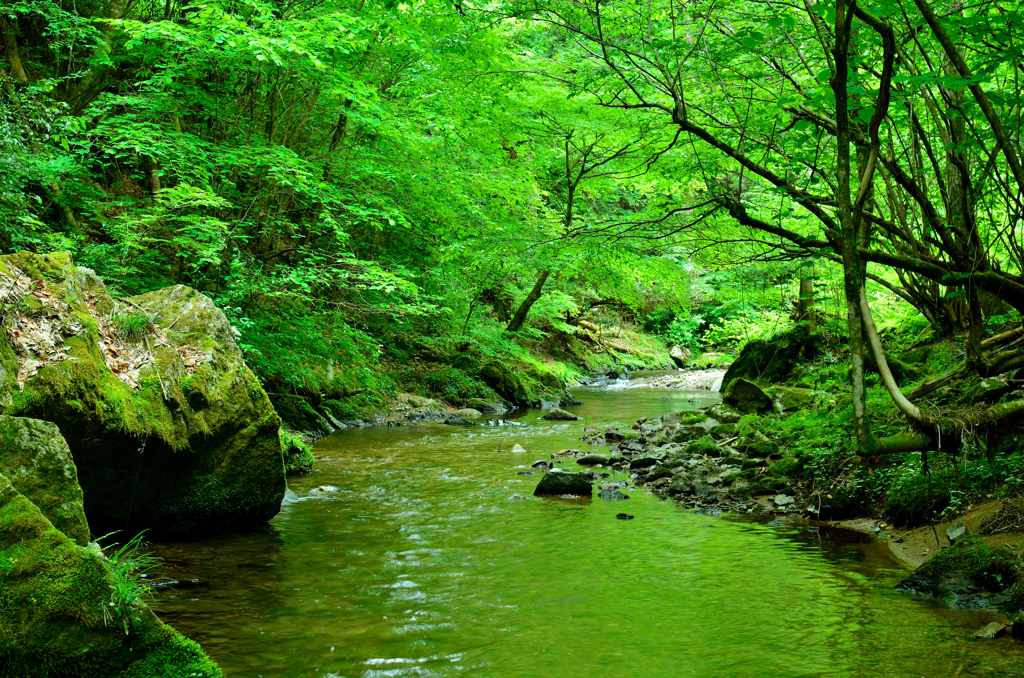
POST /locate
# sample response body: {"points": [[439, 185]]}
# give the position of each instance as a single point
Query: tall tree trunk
{"points": [[852, 268], [805, 302], [81, 93], [524, 308]]}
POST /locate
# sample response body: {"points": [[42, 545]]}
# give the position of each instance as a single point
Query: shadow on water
{"points": [[426, 555]]}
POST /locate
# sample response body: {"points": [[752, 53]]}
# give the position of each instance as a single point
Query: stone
{"points": [[612, 494], [558, 482], [557, 414], [623, 516], [518, 449], [458, 420], [540, 464], [485, 407], [145, 458], [643, 462], [967, 574], [36, 460], [468, 413], [680, 356], [956, 531], [790, 399], [659, 472], [746, 396], [783, 500], [592, 460], [57, 619], [298, 456], [773, 360], [989, 631], [682, 483], [726, 414]]}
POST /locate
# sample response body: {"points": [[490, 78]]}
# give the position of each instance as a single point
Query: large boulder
{"points": [[680, 356], [558, 482], [773, 360], [169, 429], [37, 462], [790, 399], [63, 612], [746, 396]]}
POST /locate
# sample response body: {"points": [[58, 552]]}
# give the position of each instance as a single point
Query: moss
{"points": [[752, 464], [659, 472], [693, 420], [767, 484], [725, 430], [52, 597], [703, 446], [788, 467], [298, 456], [181, 454], [768, 450], [37, 461], [987, 567]]}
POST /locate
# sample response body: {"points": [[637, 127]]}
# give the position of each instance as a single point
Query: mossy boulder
{"points": [[773, 360], [56, 617], [170, 432], [746, 396], [791, 399], [968, 573], [36, 460], [509, 385]]}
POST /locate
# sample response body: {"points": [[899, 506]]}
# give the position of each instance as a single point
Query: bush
{"points": [[915, 499]]}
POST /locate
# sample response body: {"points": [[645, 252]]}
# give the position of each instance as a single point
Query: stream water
{"points": [[424, 562]]}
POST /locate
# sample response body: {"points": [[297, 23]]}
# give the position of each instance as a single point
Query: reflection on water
{"points": [[422, 563]]}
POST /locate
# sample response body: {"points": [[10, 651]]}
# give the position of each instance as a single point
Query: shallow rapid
{"points": [[432, 558]]}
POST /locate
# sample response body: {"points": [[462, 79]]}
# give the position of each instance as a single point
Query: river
{"points": [[432, 558]]}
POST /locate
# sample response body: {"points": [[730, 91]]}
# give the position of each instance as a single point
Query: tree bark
{"points": [[10, 43], [524, 308]]}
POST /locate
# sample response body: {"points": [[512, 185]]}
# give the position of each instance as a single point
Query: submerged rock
{"points": [[989, 631], [558, 482], [37, 462], [624, 516], [458, 420], [612, 494], [468, 413], [63, 616], [168, 428], [593, 460]]}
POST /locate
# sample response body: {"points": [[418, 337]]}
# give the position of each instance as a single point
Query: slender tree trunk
{"points": [[805, 302], [79, 95], [524, 308], [852, 268]]}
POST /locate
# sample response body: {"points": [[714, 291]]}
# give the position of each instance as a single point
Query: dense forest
{"points": [[494, 203]]}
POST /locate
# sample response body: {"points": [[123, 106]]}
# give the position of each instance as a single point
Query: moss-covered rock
{"points": [[967, 573], [746, 396], [171, 432], [790, 399], [56, 617], [773, 360], [703, 446], [36, 460]]}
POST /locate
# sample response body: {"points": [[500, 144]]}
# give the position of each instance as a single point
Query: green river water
{"points": [[423, 564]]}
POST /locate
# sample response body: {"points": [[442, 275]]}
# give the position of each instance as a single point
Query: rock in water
{"points": [[169, 429], [624, 516], [57, 619], [612, 494], [989, 631], [680, 356], [518, 449], [468, 413], [956, 531], [592, 460], [558, 482], [556, 414], [458, 420], [36, 460], [783, 500]]}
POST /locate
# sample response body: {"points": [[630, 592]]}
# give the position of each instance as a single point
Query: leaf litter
{"points": [[37, 332]]}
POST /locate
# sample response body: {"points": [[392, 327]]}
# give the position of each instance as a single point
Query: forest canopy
{"points": [[435, 186]]}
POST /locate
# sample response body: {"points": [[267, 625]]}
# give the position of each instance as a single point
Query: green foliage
{"points": [[132, 325], [298, 455], [128, 565]]}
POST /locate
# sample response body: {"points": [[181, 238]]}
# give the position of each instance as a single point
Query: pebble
{"points": [[624, 516]]}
